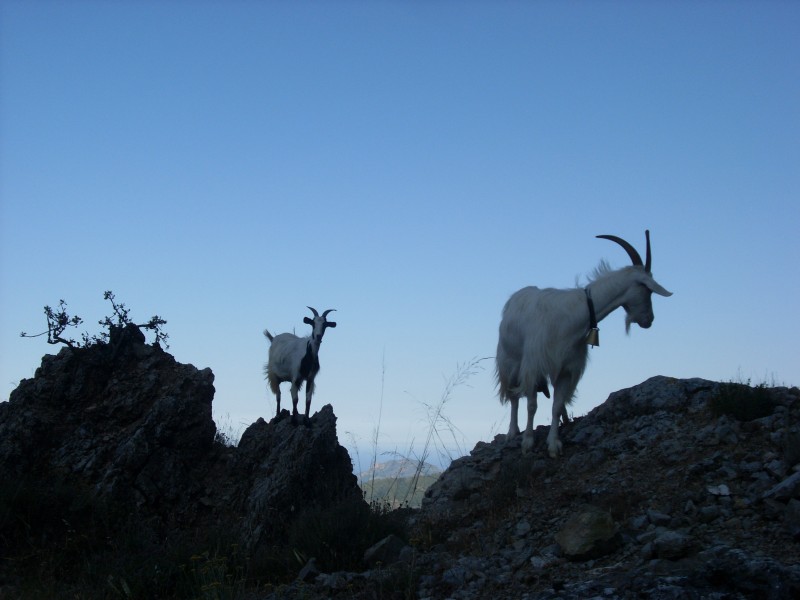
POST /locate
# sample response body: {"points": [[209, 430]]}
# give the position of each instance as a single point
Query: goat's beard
{"points": [[628, 321]]}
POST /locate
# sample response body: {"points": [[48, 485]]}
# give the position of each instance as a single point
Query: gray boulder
{"points": [[590, 533]]}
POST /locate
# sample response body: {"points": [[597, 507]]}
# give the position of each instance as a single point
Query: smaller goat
{"points": [[296, 360]]}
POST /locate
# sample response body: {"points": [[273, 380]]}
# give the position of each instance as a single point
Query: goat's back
{"points": [[286, 351], [539, 337], [542, 312]]}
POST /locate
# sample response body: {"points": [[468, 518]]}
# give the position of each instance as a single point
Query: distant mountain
{"points": [[394, 484], [399, 469]]}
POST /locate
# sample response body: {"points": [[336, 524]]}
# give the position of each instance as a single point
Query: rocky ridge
{"points": [[656, 496], [121, 433], [677, 503]]}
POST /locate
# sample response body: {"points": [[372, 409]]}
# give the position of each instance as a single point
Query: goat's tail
{"points": [[269, 335]]}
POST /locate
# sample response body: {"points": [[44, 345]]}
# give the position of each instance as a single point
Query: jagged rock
{"points": [[125, 419], [590, 533], [128, 423], [279, 469]]}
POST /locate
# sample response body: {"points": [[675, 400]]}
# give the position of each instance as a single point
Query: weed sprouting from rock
{"points": [[59, 320]]}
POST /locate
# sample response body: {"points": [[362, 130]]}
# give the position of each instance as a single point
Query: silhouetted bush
{"points": [[742, 402]]}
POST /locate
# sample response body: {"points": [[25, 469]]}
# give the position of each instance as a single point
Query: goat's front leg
{"points": [[278, 399], [554, 445], [309, 392], [527, 438], [294, 401], [513, 428]]}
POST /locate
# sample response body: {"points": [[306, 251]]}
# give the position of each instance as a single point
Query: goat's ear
{"points": [[308, 321], [330, 324], [654, 287]]}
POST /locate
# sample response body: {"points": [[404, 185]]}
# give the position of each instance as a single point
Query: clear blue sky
{"points": [[225, 164]]}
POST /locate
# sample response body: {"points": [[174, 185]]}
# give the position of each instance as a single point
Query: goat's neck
{"points": [[608, 292], [313, 346]]}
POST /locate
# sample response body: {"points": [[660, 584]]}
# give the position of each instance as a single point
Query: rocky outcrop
{"points": [[656, 496], [280, 469], [125, 419], [132, 428]]}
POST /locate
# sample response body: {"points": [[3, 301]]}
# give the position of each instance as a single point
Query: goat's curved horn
{"points": [[330, 310], [635, 256], [648, 262], [313, 310]]}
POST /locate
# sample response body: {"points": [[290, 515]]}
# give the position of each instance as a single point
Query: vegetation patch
{"points": [[400, 491], [742, 401], [338, 535], [59, 320]]}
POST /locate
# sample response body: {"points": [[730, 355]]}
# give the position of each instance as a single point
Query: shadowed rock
{"points": [[128, 423]]}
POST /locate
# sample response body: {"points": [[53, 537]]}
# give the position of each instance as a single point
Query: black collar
{"points": [[592, 315]]}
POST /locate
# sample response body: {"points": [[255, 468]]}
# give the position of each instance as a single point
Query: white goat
{"points": [[544, 335], [296, 359]]}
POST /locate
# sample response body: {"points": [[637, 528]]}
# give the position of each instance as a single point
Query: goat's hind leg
{"points": [[513, 427], [527, 437], [276, 389], [554, 445], [562, 394]]}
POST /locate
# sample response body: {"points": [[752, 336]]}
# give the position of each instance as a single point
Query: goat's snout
{"points": [[643, 318]]}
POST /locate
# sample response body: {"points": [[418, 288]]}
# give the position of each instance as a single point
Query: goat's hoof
{"points": [[527, 444], [555, 449]]}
